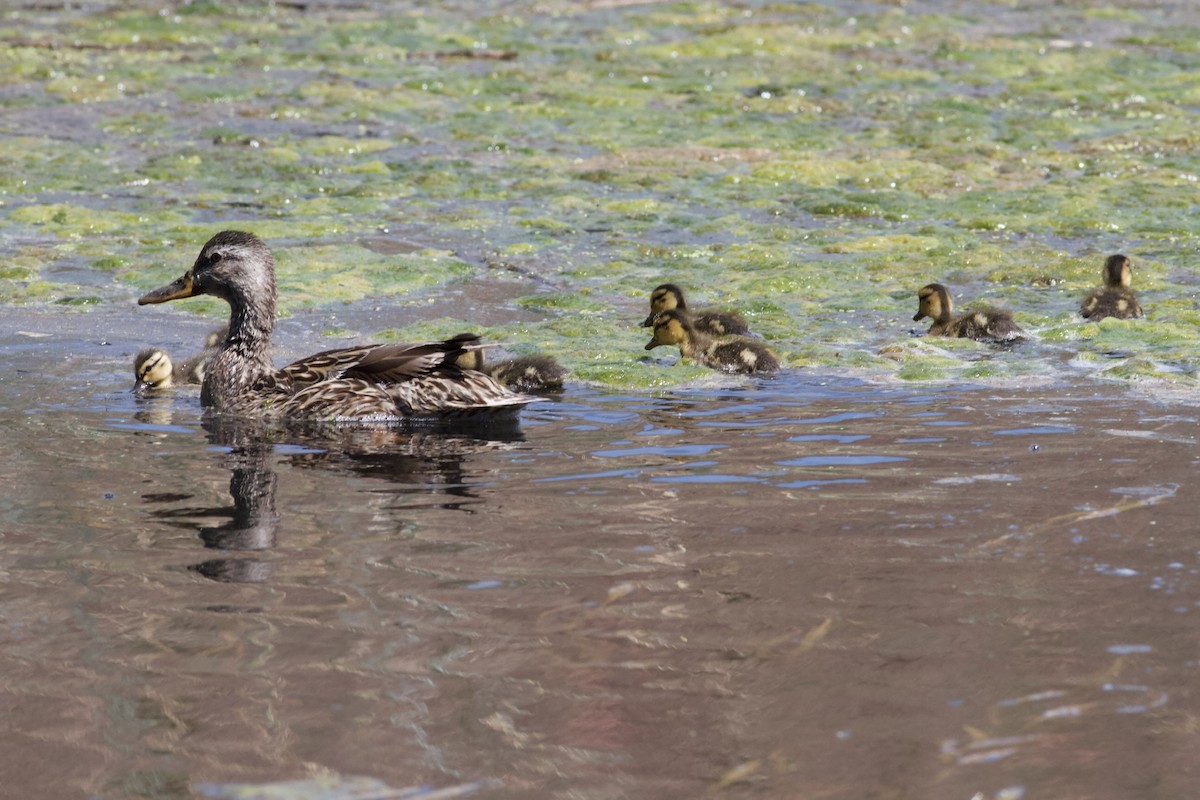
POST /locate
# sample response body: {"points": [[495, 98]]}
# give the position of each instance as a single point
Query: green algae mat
{"points": [[808, 165]]}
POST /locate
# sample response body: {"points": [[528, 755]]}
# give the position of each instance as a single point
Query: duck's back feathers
{"points": [[1111, 302], [986, 325], [720, 323], [529, 373], [741, 354]]}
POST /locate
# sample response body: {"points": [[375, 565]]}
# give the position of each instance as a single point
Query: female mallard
{"points": [[522, 374], [153, 368], [982, 324], [729, 353], [668, 297], [1114, 298], [370, 382]]}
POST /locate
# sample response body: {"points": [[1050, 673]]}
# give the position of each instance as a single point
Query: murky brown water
{"points": [[790, 588]]}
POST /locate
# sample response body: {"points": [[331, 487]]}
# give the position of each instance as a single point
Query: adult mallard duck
{"points": [[1114, 298], [729, 353], [668, 297], [982, 324], [522, 374], [369, 382], [153, 368]]}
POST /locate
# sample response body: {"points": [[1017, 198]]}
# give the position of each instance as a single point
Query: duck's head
{"points": [[152, 368], [670, 327], [470, 359], [933, 301], [1118, 271], [233, 265], [666, 297]]}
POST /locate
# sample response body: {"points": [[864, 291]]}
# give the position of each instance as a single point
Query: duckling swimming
{"points": [[153, 368], [1114, 298], [668, 296], [729, 353], [375, 382], [521, 374], [982, 324]]}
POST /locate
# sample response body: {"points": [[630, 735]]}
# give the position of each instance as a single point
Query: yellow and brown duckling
{"points": [[981, 324], [669, 297], [728, 353], [366, 383], [153, 368], [521, 374], [1114, 298]]}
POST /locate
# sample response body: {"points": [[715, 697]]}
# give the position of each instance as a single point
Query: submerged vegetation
{"points": [[805, 165]]}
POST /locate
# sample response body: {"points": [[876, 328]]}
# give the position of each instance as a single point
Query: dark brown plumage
{"points": [[521, 374], [1114, 298], [981, 324]]}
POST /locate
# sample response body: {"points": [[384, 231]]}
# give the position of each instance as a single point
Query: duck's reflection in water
{"points": [[427, 461]]}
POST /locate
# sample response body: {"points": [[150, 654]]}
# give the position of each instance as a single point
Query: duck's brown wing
{"points": [[380, 363]]}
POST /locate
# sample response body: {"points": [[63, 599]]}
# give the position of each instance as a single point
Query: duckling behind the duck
{"points": [[153, 368], [729, 353], [522, 374], [371, 382], [981, 324], [1114, 298], [668, 297]]}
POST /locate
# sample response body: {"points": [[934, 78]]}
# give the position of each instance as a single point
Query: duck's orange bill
{"points": [[184, 287]]}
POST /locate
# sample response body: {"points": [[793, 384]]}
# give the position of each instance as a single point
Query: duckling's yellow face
{"points": [[471, 359], [933, 301], [152, 369], [667, 297], [668, 330]]}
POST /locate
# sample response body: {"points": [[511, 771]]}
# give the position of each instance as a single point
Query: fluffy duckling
{"points": [[668, 297], [729, 353], [1114, 298], [981, 324], [153, 368], [521, 374]]}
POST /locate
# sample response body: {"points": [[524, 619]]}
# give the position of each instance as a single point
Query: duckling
{"points": [[729, 353], [1114, 298], [668, 296], [153, 368], [521, 374], [369, 383], [981, 324]]}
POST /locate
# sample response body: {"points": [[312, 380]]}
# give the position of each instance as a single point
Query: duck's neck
{"points": [[251, 323], [244, 359]]}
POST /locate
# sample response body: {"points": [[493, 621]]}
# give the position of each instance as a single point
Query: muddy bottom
{"points": [[803, 586]]}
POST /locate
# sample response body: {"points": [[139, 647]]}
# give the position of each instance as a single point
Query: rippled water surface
{"points": [[791, 587], [902, 568]]}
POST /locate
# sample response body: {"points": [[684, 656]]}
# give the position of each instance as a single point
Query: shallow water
{"points": [[792, 587], [900, 569]]}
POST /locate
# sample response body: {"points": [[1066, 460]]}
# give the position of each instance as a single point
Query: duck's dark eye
{"points": [[213, 258]]}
